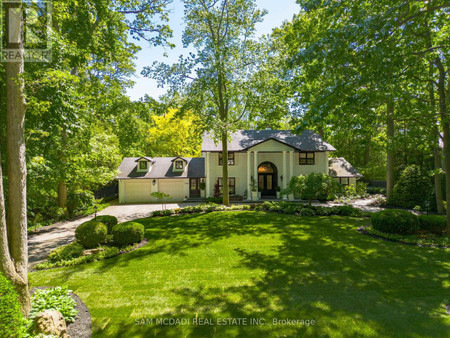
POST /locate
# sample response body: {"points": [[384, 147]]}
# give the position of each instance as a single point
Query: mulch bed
{"points": [[362, 230], [81, 327]]}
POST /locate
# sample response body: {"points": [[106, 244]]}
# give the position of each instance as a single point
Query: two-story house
{"points": [[266, 158]]}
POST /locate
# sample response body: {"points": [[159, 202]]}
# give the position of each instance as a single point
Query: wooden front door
{"points": [[194, 190]]}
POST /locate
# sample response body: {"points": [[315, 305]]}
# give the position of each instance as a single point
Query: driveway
{"points": [[46, 239]]}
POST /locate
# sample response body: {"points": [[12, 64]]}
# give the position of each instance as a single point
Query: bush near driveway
{"points": [[91, 234], [395, 221], [66, 252], [128, 233], [107, 220]]}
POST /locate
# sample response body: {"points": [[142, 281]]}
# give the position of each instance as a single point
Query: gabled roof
{"points": [[162, 168], [179, 158], [245, 139], [144, 158], [339, 167]]}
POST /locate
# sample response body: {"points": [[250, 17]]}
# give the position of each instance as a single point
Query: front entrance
{"points": [[194, 190], [267, 179]]}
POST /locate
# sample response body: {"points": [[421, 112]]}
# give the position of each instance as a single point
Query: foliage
{"points": [[128, 233], [54, 299], [159, 195], [79, 201], [394, 221], [100, 253], [66, 252], [421, 240], [12, 321], [435, 224], [109, 221], [314, 186], [407, 193], [91, 234], [172, 135], [271, 252]]}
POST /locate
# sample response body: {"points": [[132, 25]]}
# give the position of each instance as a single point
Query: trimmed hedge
{"points": [[66, 252], [128, 233], [395, 221], [12, 321], [108, 220], [435, 224], [91, 234]]}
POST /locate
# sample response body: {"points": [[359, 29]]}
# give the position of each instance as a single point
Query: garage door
{"points": [[175, 188], [138, 192]]}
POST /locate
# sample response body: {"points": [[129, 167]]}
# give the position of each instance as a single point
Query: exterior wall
{"points": [[320, 165], [269, 151]]}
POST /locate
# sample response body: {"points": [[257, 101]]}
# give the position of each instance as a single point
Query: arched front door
{"points": [[267, 179]]}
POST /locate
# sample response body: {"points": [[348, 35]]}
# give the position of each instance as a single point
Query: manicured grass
{"points": [[264, 265]]}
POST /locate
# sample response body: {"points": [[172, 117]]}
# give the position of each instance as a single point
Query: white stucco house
{"points": [[268, 157]]}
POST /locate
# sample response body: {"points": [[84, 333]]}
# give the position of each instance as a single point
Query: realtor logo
{"points": [[29, 21]]}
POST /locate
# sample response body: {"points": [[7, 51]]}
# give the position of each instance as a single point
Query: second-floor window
{"points": [[230, 159], [179, 165], [307, 158]]}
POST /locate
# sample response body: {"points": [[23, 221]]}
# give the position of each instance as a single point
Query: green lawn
{"points": [[264, 265]]}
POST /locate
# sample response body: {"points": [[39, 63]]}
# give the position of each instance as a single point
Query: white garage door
{"points": [[138, 191], [175, 188]]}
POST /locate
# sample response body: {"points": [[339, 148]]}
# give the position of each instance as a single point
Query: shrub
{"points": [[12, 321], [107, 220], [314, 186], [347, 210], [54, 299], [91, 234], [79, 201], [435, 224], [394, 221], [412, 188], [66, 252], [128, 233]]}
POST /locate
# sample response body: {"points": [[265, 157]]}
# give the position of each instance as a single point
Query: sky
{"points": [[278, 11]]}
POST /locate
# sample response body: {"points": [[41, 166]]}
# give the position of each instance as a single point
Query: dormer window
{"points": [[143, 165], [179, 165]]}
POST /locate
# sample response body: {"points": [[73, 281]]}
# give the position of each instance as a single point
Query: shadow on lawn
{"points": [[323, 270]]}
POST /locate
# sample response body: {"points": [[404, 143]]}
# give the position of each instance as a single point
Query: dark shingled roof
{"points": [[162, 168], [244, 139], [339, 167]]}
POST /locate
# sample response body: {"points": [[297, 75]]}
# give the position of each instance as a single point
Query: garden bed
{"points": [[424, 241]]}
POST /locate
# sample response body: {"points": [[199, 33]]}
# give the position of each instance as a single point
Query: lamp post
{"points": [[95, 211]]}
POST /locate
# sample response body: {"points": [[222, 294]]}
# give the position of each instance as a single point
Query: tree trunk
{"points": [[389, 150], [225, 189], [446, 131], [16, 222], [62, 194]]}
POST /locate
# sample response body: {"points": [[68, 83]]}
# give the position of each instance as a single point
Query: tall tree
{"points": [[13, 229], [216, 82]]}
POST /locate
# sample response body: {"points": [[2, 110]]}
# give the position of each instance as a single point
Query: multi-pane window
{"points": [[230, 159], [143, 165], [178, 164], [307, 158], [344, 180], [231, 185]]}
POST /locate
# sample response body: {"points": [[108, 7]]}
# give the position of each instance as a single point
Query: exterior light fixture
{"points": [[154, 182], [95, 212], [281, 178]]}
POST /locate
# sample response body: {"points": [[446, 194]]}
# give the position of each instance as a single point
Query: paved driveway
{"points": [[46, 239]]}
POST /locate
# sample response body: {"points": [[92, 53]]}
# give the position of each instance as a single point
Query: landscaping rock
{"points": [[91, 251], [50, 322]]}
